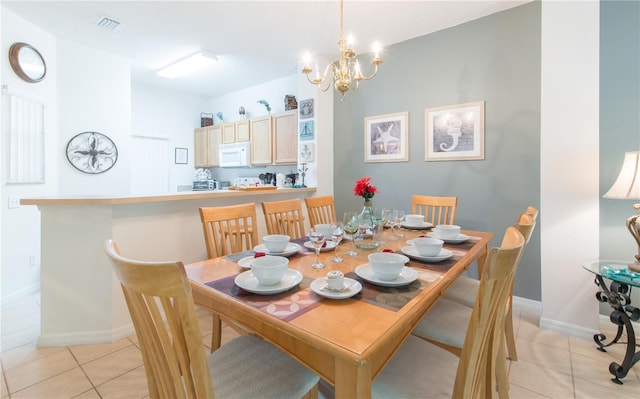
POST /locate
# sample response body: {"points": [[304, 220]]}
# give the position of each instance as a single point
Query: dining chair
{"points": [[464, 289], [284, 217], [436, 210], [160, 302], [473, 335], [229, 229], [321, 210]]}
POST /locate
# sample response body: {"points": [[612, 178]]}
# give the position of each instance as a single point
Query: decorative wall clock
{"points": [[92, 152], [27, 62]]}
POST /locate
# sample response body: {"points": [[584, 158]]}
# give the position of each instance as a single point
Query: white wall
{"points": [[569, 164], [172, 115]]}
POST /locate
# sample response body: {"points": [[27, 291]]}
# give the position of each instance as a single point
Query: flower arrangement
{"points": [[364, 189], [266, 104], [220, 116]]}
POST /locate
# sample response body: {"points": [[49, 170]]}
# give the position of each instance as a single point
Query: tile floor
{"points": [[551, 365]]}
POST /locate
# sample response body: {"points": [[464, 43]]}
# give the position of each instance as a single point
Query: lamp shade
{"points": [[627, 185]]}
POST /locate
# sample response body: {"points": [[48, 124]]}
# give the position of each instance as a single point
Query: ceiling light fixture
{"points": [[187, 65], [346, 72]]}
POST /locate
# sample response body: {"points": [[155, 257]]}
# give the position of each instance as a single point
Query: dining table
{"points": [[346, 338]]}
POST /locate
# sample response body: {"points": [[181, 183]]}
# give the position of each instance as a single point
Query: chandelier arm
{"points": [[362, 77]]}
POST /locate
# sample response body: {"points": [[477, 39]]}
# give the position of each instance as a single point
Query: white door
{"points": [[149, 165]]}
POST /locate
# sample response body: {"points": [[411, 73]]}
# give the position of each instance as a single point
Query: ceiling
{"points": [[255, 41]]}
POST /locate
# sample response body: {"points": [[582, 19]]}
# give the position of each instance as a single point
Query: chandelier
{"points": [[346, 73]]}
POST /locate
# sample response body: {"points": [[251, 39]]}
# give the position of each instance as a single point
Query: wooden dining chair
{"points": [[464, 289], [473, 335], [229, 229], [160, 302], [436, 210], [284, 217], [321, 210]]}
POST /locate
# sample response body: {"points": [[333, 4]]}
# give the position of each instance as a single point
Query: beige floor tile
{"points": [[591, 390], [596, 371], [65, 385], [518, 392], [19, 338], [537, 353], [90, 394], [87, 353], [541, 380], [588, 347], [531, 332], [4, 391], [129, 385], [39, 370], [27, 353], [115, 364]]}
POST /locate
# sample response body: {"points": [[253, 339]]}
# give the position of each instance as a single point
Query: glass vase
{"points": [[366, 237]]}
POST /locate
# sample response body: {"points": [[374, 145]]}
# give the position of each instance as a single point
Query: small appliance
{"points": [[235, 155]]}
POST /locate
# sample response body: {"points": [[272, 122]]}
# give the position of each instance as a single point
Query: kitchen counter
{"points": [[82, 302]]}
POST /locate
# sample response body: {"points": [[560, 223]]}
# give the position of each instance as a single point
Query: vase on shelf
{"points": [[367, 237]]}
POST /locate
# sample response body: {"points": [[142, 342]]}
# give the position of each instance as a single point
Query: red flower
{"points": [[364, 189]]}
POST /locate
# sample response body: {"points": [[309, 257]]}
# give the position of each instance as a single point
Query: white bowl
{"points": [[448, 231], [427, 246], [276, 242], [414, 220], [325, 228], [268, 269], [387, 266]]}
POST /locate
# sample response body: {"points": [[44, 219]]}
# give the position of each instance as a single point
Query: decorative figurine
{"points": [[290, 102], [303, 172], [242, 113]]}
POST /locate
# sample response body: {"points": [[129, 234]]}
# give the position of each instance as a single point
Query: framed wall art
{"points": [[454, 132], [306, 152], [306, 130], [306, 108], [181, 156], [386, 138]]}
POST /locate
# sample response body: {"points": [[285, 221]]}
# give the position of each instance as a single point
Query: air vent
{"points": [[108, 24]]}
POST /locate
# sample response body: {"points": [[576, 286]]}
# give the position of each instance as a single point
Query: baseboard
{"points": [[24, 292], [527, 304], [605, 322], [566, 328], [83, 338]]}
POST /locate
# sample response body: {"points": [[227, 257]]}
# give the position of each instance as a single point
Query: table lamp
{"points": [[627, 186]]}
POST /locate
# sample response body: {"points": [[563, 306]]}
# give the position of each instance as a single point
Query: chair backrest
{"points": [[284, 217], [484, 333], [229, 229], [525, 225], [161, 306], [321, 209], [436, 210], [533, 212]]}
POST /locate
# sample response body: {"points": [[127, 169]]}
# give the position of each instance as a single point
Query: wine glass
{"points": [[317, 238], [336, 237], [379, 219], [350, 226], [391, 218], [399, 214]]}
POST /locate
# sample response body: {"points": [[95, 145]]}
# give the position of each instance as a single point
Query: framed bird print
{"points": [[386, 138]]}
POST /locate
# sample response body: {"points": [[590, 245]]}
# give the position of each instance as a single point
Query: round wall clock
{"points": [[27, 62], [92, 152]]}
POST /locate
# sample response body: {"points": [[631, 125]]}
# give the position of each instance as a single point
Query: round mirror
{"points": [[27, 62]]}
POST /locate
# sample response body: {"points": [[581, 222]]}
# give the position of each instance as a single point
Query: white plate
{"points": [[412, 252], [330, 245], [291, 249], [421, 226], [245, 262], [460, 238], [352, 287], [249, 282], [406, 277]]}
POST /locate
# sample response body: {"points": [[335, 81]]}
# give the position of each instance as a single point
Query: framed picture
{"points": [[454, 132], [386, 138], [306, 130], [305, 152], [182, 156], [306, 108]]}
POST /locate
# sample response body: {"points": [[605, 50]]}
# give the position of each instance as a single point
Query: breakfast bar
{"points": [[82, 301]]}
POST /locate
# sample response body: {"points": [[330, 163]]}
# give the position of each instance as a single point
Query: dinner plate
{"points": [[291, 249], [412, 252], [330, 245], [245, 262], [421, 226], [407, 276], [351, 287], [460, 238], [248, 282]]}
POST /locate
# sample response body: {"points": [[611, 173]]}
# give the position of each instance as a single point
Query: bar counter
{"points": [[81, 299]]}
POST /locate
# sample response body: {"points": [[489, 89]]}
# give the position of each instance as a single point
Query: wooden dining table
{"points": [[347, 342]]}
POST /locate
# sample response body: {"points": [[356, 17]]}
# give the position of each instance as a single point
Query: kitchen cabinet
{"points": [[235, 132], [285, 138], [261, 141], [206, 142], [243, 130], [229, 133]]}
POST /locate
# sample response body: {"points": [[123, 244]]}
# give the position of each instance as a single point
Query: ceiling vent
{"points": [[108, 24]]}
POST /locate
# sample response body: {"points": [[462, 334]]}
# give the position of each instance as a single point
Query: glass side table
{"points": [[617, 294]]}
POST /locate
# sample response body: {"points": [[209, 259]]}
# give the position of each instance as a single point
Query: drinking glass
{"points": [[391, 217], [399, 214], [317, 238], [350, 226], [379, 219], [336, 237]]}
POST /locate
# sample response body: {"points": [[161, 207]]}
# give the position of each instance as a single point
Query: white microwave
{"points": [[235, 155]]}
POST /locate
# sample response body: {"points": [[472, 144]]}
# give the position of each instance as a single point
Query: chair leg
{"points": [[501, 374], [216, 332], [508, 332]]}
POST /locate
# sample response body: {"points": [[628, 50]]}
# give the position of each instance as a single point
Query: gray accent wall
{"points": [[495, 59]]}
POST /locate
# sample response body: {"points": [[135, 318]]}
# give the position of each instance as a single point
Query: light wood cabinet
{"points": [[243, 130], [261, 141], [229, 133], [285, 138], [206, 142]]}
